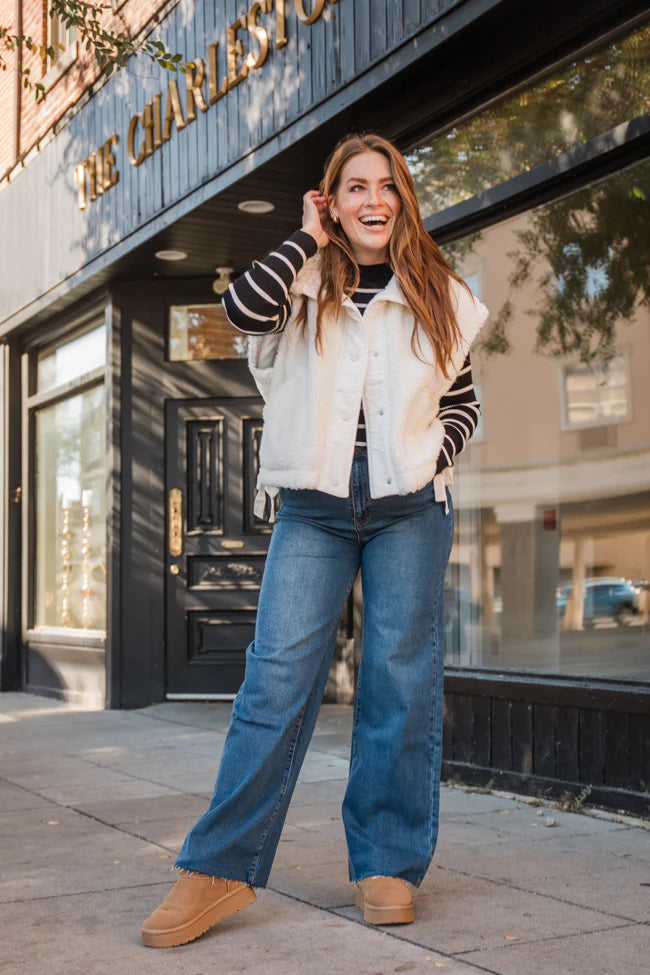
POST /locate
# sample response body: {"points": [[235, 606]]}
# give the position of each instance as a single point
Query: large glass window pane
{"points": [[551, 559], [70, 583], [203, 332], [586, 98], [74, 359]]}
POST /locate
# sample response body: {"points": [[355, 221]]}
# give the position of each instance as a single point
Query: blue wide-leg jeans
{"points": [[390, 809]]}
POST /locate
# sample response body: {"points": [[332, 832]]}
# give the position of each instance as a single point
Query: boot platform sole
{"points": [[199, 925], [402, 914]]}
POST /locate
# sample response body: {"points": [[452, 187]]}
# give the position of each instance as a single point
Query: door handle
{"points": [[175, 522]]}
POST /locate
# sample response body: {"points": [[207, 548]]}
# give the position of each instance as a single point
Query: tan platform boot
{"points": [[194, 904], [385, 900]]}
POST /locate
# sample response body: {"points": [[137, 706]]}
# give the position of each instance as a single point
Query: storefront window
{"points": [[69, 494], [71, 360], [551, 561], [203, 332], [586, 98]]}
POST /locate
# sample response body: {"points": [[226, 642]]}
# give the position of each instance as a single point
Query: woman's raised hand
{"points": [[314, 216]]}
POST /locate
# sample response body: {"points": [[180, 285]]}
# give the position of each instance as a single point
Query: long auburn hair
{"points": [[416, 260]]}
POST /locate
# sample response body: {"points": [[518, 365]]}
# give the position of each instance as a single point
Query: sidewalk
{"points": [[95, 804]]}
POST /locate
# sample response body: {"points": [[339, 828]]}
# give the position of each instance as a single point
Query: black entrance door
{"points": [[215, 545]]}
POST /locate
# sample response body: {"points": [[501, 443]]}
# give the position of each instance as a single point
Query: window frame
{"points": [[170, 307], [602, 421], [33, 402], [54, 68]]}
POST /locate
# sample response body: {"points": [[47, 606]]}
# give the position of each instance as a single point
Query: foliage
{"points": [[111, 48], [586, 255], [509, 137], [574, 803]]}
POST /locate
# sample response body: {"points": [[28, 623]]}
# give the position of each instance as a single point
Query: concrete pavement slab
{"points": [[323, 884], [83, 868], [572, 872], [123, 811], [14, 800], [100, 933], [167, 833], [508, 818], [106, 786], [458, 914], [612, 951], [307, 794]]}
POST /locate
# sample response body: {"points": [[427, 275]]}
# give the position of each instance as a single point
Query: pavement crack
{"points": [[83, 893], [87, 815], [385, 932], [536, 893], [535, 941]]}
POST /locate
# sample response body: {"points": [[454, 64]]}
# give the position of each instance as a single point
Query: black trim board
{"points": [[628, 698], [617, 800], [536, 734]]}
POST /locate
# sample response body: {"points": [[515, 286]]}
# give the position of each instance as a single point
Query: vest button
{"points": [[381, 412], [388, 480]]}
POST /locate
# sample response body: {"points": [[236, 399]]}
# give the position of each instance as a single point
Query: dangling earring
{"points": [[335, 219]]}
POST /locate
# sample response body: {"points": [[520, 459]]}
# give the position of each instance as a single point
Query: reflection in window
{"points": [[582, 100], [73, 359], [203, 332], [550, 567], [70, 563], [595, 394]]}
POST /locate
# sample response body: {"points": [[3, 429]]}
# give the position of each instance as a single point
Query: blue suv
{"points": [[604, 596]]}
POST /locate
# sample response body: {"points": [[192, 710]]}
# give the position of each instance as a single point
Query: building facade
{"points": [[131, 554]]}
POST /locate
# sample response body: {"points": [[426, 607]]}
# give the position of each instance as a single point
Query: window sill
{"points": [[64, 636], [62, 64]]}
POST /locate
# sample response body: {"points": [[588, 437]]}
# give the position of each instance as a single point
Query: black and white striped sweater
{"points": [[259, 302]]}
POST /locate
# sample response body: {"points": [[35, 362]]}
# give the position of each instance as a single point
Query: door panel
{"points": [[216, 547]]}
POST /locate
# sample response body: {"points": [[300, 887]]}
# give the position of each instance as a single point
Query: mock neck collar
{"points": [[309, 278]]}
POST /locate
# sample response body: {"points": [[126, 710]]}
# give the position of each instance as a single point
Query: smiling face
{"points": [[367, 205]]}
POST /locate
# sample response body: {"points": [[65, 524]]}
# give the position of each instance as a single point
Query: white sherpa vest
{"points": [[312, 400]]}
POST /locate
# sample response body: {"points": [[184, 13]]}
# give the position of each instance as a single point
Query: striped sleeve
{"points": [[259, 302], [459, 412]]}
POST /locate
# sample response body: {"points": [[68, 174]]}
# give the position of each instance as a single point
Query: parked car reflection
{"points": [[611, 596]]}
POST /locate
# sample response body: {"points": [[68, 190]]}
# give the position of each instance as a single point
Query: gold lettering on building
{"points": [[173, 112], [157, 121], [96, 174], [280, 24], [149, 129], [110, 176], [260, 34], [146, 121], [194, 77], [302, 13], [214, 92], [235, 50], [134, 158]]}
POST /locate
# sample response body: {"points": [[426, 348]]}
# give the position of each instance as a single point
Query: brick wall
{"points": [[37, 120]]}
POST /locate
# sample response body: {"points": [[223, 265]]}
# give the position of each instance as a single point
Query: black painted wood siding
{"points": [[549, 737]]}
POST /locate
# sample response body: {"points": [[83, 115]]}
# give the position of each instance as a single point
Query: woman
{"points": [[365, 412]]}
